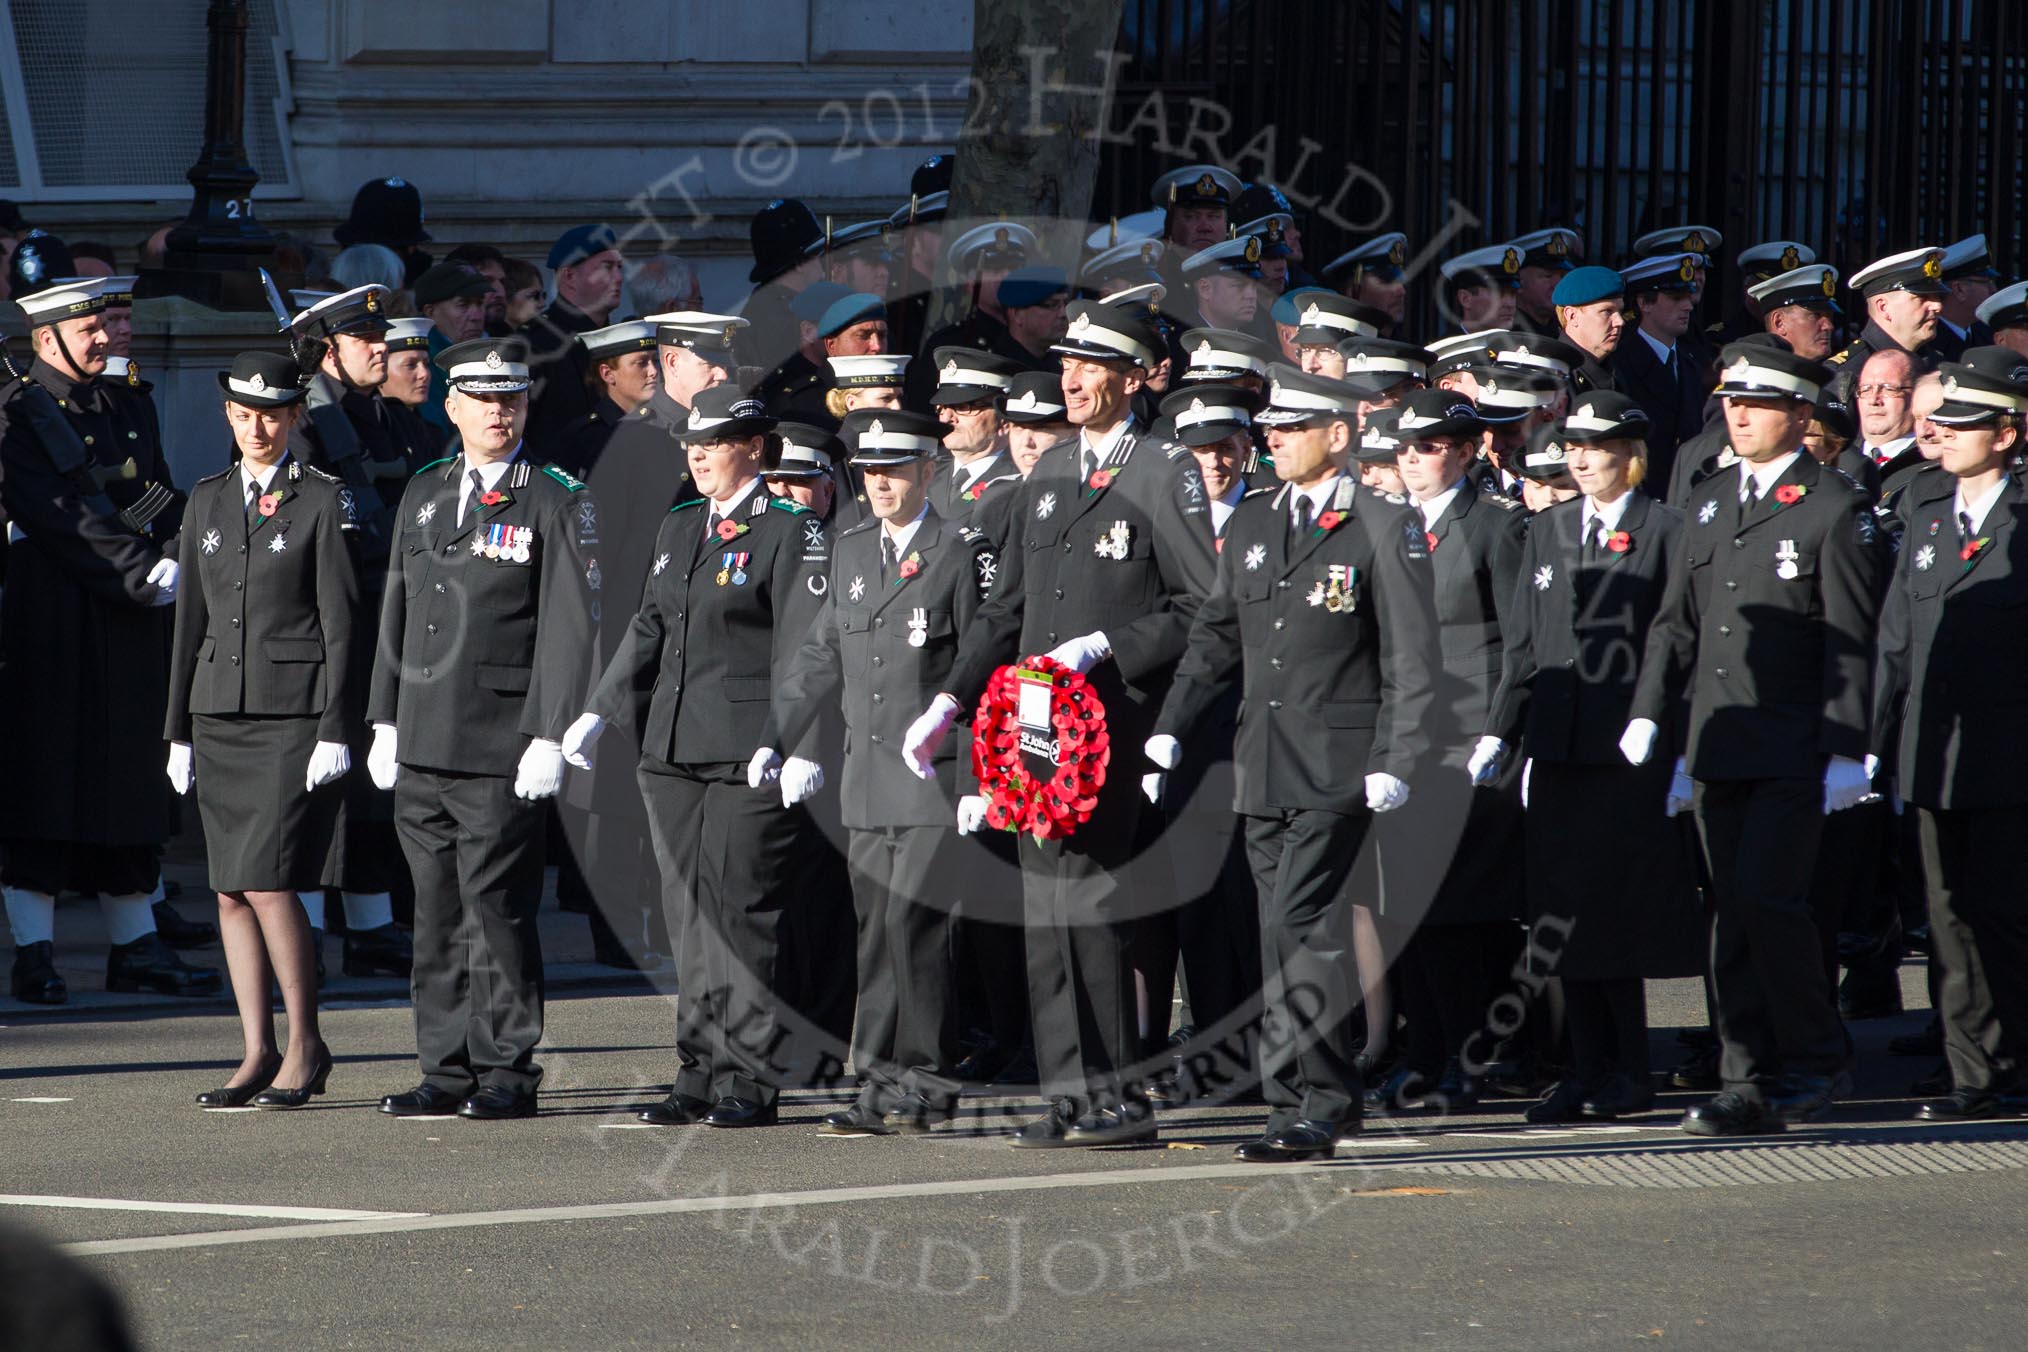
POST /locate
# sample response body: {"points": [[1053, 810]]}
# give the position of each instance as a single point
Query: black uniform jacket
{"points": [[1476, 562], [883, 651], [1769, 622], [1131, 559], [1335, 637], [1575, 633], [718, 621], [1948, 692], [266, 606], [486, 629]]}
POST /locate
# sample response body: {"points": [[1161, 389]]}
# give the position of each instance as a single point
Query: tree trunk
{"points": [[1043, 77]]}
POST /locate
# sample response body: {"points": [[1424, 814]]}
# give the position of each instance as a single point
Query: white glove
{"points": [[1384, 792], [971, 813], [764, 768], [182, 774], [1872, 764], [380, 766], [1637, 743], [163, 577], [540, 773], [1682, 792], [578, 739], [1845, 783], [1082, 653], [800, 779], [1164, 751], [328, 760], [919, 745], [1527, 773], [1152, 784], [1484, 765]]}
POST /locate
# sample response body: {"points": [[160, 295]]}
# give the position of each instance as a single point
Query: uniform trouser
{"points": [[901, 892], [1081, 918], [1978, 920], [1300, 862], [476, 853], [726, 854], [1776, 1013]]}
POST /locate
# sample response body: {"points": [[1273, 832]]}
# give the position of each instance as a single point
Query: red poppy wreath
{"points": [[1005, 752]]}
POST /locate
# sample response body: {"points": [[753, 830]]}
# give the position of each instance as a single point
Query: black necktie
{"points": [[710, 533], [1593, 534], [1964, 530], [886, 558], [253, 493], [1302, 521], [478, 488]]}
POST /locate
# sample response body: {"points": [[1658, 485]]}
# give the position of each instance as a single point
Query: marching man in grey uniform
{"points": [[485, 650], [902, 590]]}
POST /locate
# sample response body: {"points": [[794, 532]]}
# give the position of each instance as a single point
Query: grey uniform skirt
{"points": [[263, 831]]}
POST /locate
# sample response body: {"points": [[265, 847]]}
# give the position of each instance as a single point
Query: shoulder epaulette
{"points": [[220, 475], [1501, 500], [970, 534], [568, 481], [694, 502], [1256, 492], [1174, 449], [1838, 358], [434, 463], [1398, 499], [792, 508], [326, 475]]}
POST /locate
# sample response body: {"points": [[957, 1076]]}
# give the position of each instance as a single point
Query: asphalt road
{"points": [[578, 1229]]}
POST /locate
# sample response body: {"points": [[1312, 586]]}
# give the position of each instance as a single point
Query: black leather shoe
{"points": [[733, 1111], [1620, 1096], [35, 976], [1044, 1133], [180, 933], [147, 965], [861, 1119], [678, 1110], [1801, 1098], [1455, 1093], [1732, 1114], [496, 1104], [1698, 1071], [1565, 1103], [296, 1098], [425, 1100], [384, 951], [1126, 1124], [915, 1115], [1400, 1092], [1968, 1105], [238, 1095], [1306, 1140]]}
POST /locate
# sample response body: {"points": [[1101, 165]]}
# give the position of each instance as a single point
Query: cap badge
{"points": [[1694, 241], [1196, 405], [874, 429], [1510, 262], [257, 383], [730, 329], [1148, 251], [1950, 385], [1686, 270], [1558, 246], [493, 360], [1081, 323], [951, 370], [397, 182], [1025, 402], [1830, 286], [1207, 185], [1252, 250], [1313, 315], [1398, 254], [1553, 453], [1932, 266], [1740, 368], [1790, 258]]}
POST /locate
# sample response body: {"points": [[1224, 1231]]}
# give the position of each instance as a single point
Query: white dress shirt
{"points": [[490, 475], [1221, 508], [1317, 494], [1435, 507], [256, 484], [901, 536], [1979, 510], [1764, 476], [1607, 515]]}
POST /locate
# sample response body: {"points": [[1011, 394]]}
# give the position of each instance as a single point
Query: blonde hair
{"points": [[834, 403]]}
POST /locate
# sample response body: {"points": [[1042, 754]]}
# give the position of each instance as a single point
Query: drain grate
{"points": [[1732, 1167]]}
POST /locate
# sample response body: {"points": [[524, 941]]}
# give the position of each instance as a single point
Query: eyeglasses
{"points": [[1882, 391]]}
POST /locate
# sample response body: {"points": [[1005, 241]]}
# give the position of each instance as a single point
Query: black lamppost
{"points": [[213, 254]]}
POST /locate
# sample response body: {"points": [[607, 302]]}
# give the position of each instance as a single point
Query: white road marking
{"points": [[39, 1099], [249, 1108], [273, 1213], [672, 1206]]}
